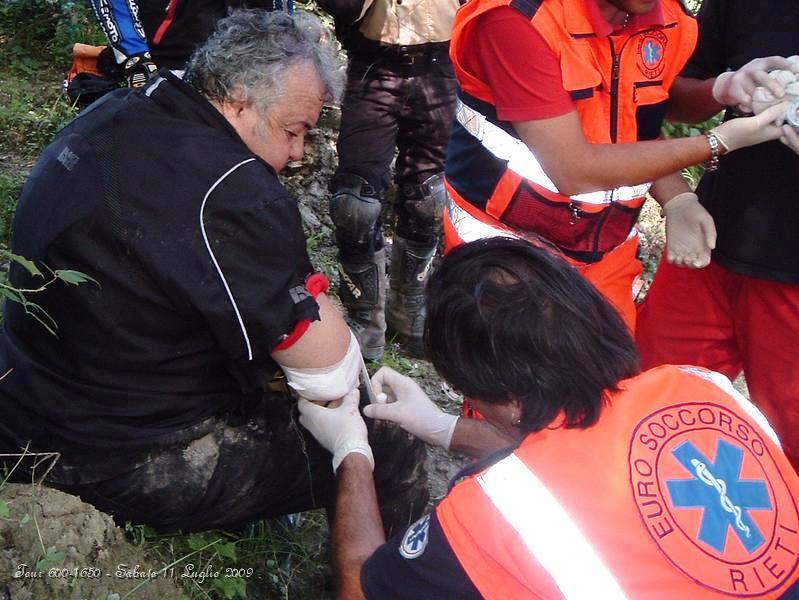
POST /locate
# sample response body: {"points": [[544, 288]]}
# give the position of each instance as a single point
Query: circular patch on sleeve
{"points": [[416, 537], [713, 499]]}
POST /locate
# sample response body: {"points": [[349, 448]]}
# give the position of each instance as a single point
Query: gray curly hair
{"points": [[250, 51]]}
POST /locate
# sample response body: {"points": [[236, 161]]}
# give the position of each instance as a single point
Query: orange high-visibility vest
{"points": [[619, 85], [680, 490]]}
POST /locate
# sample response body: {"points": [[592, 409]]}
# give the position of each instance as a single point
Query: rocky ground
{"points": [[55, 547]]}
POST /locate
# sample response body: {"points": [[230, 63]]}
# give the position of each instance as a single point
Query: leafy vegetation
{"points": [[285, 558]]}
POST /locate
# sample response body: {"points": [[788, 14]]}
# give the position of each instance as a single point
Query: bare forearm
{"points": [[607, 166], [611, 165], [477, 438], [691, 100], [576, 166], [357, 527], [666, 188]]}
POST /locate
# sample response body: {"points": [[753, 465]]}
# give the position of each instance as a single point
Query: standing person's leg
{"points": [[422, 142], [261, 466], [767, 324], [687, 318], [366, 148]]}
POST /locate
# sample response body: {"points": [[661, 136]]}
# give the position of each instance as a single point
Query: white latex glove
{"points": [[790, 137], [735, 88], [690, 232], [403, 402], [750, 131], [339, 430]]}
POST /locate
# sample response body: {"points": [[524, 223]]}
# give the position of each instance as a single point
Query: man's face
{"points": [[279, 136], [634, 7]]}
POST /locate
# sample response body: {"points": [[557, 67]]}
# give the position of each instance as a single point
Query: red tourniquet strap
{"points": [[316, 284]]}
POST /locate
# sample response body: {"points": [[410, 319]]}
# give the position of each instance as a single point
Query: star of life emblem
{"points": [[416, 537], [652, 53], [713, 500]]}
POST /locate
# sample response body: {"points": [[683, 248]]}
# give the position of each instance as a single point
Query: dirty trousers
{"points": [[396, 112], [258, 467]]}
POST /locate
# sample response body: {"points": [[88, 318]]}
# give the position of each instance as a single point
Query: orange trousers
{"points": [[613, 276]]}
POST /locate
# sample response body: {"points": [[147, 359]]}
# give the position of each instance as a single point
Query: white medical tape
{"points": [[327, 383]]}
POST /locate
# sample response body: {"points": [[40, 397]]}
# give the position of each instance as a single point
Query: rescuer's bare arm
{"points": [[576, 166], [691, 100], [477, 438], [357, 527], [667, 187]]}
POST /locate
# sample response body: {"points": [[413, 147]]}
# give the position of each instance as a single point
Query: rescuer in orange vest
{"points": [[556, 132], [605, 482]]}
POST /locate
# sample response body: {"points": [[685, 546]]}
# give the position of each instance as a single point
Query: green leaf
{"points": [[27, 264], [198, 540], [12, 295], [51, 558], [231, 588], [5, 511], [227, 550], [74, 277]]}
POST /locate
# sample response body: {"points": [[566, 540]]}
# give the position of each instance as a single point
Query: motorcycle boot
{"points": [[418, 230], [362, 291], [355, 210], [405, 312]]}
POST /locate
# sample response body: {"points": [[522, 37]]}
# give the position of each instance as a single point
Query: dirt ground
{"points": [[55, 547]]}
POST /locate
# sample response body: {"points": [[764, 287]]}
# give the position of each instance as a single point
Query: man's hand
{"points": [[735, 88], [339, 430], [750, 131], [690, 232], [137, 70], [410, 408]]}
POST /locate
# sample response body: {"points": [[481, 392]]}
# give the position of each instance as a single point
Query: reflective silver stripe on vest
{"points": [[469, 228], [520, 160], [553, 538]]}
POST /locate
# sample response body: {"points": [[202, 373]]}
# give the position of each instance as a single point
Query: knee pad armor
{"points": [[422, 207], [355, 210]]}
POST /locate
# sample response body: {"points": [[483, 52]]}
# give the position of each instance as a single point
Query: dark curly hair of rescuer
{"points": [[509, 319]]}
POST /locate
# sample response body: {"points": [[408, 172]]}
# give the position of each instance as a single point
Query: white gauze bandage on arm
{"points": [[323, 384]]}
